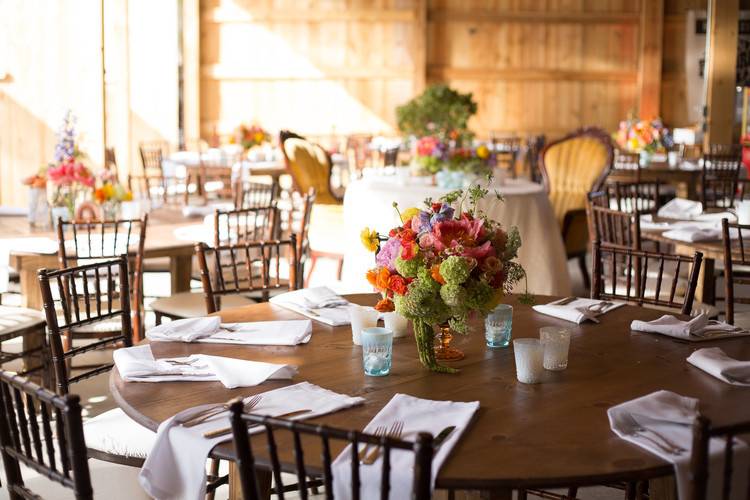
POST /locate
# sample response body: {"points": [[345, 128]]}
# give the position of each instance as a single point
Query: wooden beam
{"points": [[514, 74], [420, 47], [572, 17], [236, 14], [314, 73], [722, 69], [649, 67], [191, 68]]}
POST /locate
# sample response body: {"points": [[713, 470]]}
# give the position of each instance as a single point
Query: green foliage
{"points": [[439, 111], [455, 270], [408, 268]]}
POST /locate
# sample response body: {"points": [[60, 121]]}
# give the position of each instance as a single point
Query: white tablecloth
{"points": [[368, 203]]}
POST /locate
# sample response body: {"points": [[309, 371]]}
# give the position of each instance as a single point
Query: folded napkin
{"points": [[680, 208], [693, 233], [137, 364], [417, 415], [715, 361], [319, 303], [200, 211], [667, 418], [176, 466], [696, 329], [578, 310], [210, 329], [648, 224]]}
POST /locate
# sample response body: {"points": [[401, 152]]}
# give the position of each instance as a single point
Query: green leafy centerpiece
{"points": [[442, 265]]}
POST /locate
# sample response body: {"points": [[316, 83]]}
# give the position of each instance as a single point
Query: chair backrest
{"points": [[110, 161], [310, 166], [734, 254], [719, 179], [302, 433], [152, 153], [245, 224], [573, 166], [88, 242], [215, 174], [625, 160], [244, 268], [44, 432], [613, 227], [249, 194], [623, 273], [535, 144], [86, 294], [703, 432]]}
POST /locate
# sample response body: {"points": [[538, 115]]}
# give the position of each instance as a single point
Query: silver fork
{"points": [[662, 443], [180, 363], [215, 410], [395, 431], [379, 431]]}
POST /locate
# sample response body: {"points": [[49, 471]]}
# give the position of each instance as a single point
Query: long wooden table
{"points": [[543, 435], [160, 243]]}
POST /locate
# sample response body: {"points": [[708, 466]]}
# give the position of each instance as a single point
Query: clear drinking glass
{"points": [[377, 348], [361, 317], [556, 342], [498, 326], [396, 323], [529, 354]]}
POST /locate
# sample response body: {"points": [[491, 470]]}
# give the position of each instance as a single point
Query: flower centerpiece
{"points": [[110, 194], [252, 136], [454, 167], [38, 206], [645, 137], [443, 265]]}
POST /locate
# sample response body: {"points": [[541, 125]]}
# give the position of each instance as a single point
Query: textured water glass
{"points": [[498, 326], [377, 349], [396, 323], [529, 354], [361, 317], [556, 342]]}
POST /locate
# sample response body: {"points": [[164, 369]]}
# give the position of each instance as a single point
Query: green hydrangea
{"points": [[422, 303], [478, 295], [452, 294], [459, 324], [408, 268], [455, 269], [425, 279]]}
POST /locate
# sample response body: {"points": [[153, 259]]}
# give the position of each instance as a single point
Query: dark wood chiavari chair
{"points": [[250, 194], [736, 270], [233, 269], [44, 432], [534, 146], [719, 180], [507, 151], [703, 432], [301, 432], [627, 163], [628, 196], [215, 179], [85, 242], [613, 227], [613, 264], [29, 325], [245, 224]]}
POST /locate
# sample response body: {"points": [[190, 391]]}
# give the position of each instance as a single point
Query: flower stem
{"points": [[424, 336]]}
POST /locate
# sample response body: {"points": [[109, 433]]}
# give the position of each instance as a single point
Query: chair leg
{"points": [[340, 268], [158, 318], [313, 262], [584, 271], [213, 474], [521, 494], [572, 493]]}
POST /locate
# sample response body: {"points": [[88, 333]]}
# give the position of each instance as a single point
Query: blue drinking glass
{"points": [[498, 326], [377, 350]]}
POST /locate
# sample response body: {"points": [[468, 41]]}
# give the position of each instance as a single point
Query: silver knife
{"points": [[442, 436]]}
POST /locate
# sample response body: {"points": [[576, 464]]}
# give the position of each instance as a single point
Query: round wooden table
{"points": [[544, 435]]}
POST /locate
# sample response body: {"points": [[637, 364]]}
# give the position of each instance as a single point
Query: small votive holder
{"points": [[498, 326], [556, 342], [529, 354], [396, 323], [377, 349], [361, 317]]}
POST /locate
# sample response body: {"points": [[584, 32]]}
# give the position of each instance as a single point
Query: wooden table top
{"points": [[523, 435]]}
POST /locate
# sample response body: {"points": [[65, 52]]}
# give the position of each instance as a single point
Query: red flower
{"points": [[385, 305], [408, 250], [436, 207], [398, 284]]}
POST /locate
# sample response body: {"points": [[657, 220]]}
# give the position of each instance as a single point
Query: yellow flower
{"points": [[128, 196], [108, 190], [409, 213], [483, 152], [259, 137], [369, 239]]}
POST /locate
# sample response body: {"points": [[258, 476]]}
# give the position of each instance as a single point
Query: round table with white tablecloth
{"points": [[368, 203]]}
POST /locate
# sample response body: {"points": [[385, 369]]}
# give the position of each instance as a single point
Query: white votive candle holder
{"points": [[529, 355], [396, 323], [361, 317], [556, 342], [743, 212]]}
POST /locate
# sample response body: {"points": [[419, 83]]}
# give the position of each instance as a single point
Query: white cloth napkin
{"points": [[696, 329], [693, 233], [418, 415], [319, 303], [137, 364], [210, 329], [714, 360], [667, 416], [176, 466], [680, 208], [578, 310]]}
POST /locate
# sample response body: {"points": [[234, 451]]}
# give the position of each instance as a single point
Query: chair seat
{"points": [[193, 305], [114, 433]]}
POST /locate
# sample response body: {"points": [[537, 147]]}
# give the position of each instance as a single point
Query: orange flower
{"points": [[100, 196], [383, 279], [435, 272], [385, 305], [372, 277]]}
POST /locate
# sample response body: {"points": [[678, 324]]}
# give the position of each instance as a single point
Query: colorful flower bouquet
{"points": [[71, 180], [110, 194], [251, 136], [443, 265], [639, 136]]}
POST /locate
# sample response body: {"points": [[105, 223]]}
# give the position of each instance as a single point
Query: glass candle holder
{"points": [[361, 317], [396, 323], [377, 349], [529, 354], [498, 326], [556, 342]]}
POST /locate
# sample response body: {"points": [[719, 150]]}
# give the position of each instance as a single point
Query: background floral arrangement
{"points": [[444, 264], [251, 136], [434, 155], [110, 190], [642, 135], [439, 111]]}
